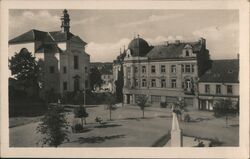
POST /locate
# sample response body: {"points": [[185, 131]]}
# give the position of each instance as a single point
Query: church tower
{"points": [[65, 21]]}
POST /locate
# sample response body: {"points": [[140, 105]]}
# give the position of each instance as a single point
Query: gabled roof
{"points": [[222, 71], [171, 50], [48, 48], [29, 36], [59, 36], [45, 37]]}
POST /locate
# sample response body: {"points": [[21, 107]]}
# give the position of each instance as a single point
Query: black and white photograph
{"points": [[125, 78]]}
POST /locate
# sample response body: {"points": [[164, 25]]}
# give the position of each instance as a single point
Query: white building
{"points": [[65, 63], [165, 72]]}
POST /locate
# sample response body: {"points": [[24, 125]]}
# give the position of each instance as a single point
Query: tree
{"points": [[95, 78], [110, 100], [119, 85], [25, 69], [81, 112], [54, 126], [224, 107], [141, 101]]}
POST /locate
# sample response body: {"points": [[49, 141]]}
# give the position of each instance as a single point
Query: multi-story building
{"points": [[65, 63], [221, 81], [165, 72]]}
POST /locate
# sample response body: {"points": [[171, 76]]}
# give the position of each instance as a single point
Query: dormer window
{"points": [[187, 53]]}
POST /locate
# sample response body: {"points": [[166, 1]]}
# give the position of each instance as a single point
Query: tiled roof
{"points": [[222, 71], [59, 36], [45, 37], [48, 48], [30, 36], [171, 50]]}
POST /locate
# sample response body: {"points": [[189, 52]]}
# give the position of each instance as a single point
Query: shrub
{"points": [[54, 126]]}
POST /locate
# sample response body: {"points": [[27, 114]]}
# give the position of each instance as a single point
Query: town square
{"points": [[165, 83]]}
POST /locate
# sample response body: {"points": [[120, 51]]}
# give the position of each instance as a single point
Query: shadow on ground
{"points": [[107, 125], [200, 119], [98, 139]]}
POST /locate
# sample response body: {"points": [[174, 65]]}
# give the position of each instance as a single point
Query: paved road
{"points": [[24, 136]]}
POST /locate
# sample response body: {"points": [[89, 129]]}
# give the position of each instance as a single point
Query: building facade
{"points": [[62, 55], [165, 72], [219, 82]]}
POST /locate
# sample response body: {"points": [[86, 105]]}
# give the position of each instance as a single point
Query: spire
{"points": [[65, 21], [120, 51]]}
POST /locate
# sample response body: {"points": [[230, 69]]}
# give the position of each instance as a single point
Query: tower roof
{"points": [[139, 47]]}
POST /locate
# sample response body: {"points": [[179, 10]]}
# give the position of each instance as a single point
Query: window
{"points": [[65, 86], [76, 84], [163, 83], [229, 89], [188, 82], [187, 69], [76, 62], [52, 69], [163, 69], [136, 69], [192, 68], [136, 82], [153, 83], [152, 69], [129, 70], [64, 69], [187, 53], [173, 69], [182, 68], [129, 83], [207, 88], [144, 69], [144, 83], [218, 89], [156, 99], [86, 69], [173, 83]]}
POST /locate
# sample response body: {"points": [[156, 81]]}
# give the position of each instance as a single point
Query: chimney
{"points": [[238, 56]]}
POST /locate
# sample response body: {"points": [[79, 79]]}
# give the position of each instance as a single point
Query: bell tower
{"points": [[65, 21]]}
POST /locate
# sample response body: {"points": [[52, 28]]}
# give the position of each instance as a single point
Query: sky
{"points": [[108, 31]]}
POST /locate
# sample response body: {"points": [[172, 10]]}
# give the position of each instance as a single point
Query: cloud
{"points": [[222, 41], [105, 52], [152, 18], [41, 20], [218, 32], [85, 21]]}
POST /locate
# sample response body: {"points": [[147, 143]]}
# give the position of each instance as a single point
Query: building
{"points": [[165, 72], [105, 69], [219, 82], [107, 81], [65, 63]]}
